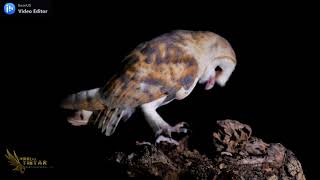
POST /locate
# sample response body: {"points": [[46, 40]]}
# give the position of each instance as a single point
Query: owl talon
{"points": [[166, 134], [163, 139], [181, 127]]}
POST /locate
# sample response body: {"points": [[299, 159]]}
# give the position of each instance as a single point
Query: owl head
{"points": [[220, 65]]}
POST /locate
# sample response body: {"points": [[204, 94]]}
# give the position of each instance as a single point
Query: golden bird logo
{"points": [[14, 161]]}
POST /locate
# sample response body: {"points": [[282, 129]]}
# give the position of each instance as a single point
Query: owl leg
{"points": [[153, 118], [161, 128]]}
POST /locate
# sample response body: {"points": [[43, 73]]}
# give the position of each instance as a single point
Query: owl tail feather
{"points": [[92, 110], [84, 100], [108, 119]]}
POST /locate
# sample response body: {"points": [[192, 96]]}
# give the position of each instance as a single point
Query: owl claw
{"points": [[165, 134], [181, 127], [169, 140]]}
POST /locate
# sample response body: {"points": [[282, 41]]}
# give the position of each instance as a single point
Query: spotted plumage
{"points": [[155, 73]]}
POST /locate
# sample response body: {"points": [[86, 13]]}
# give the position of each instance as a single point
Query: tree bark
{"points": [[236, 155]]}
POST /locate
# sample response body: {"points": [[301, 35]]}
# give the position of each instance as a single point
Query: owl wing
{"points": [[153, 70]]}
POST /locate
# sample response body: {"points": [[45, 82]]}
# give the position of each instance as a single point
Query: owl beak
{"points": [[210, 83]]}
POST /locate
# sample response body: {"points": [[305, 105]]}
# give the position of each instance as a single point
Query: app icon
{"points": [[9, 8]]}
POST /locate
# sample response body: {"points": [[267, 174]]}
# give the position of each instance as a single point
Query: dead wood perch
{"points": [[237, 155]]}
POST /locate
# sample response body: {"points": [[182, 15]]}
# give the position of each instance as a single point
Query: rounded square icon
{"points": [[9, 8]]}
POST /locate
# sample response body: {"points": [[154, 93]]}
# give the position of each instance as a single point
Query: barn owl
{"points": [[155, 73]]}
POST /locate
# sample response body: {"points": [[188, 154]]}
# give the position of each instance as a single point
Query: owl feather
{"points": [[166, 68]]}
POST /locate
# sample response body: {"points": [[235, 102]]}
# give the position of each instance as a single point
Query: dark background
{"points": [[273, 88]]}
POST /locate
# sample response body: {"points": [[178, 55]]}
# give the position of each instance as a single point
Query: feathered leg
{"points": [[158, 125]]}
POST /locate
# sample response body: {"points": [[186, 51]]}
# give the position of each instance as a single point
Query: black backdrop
{"points": [[44, 59]]}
